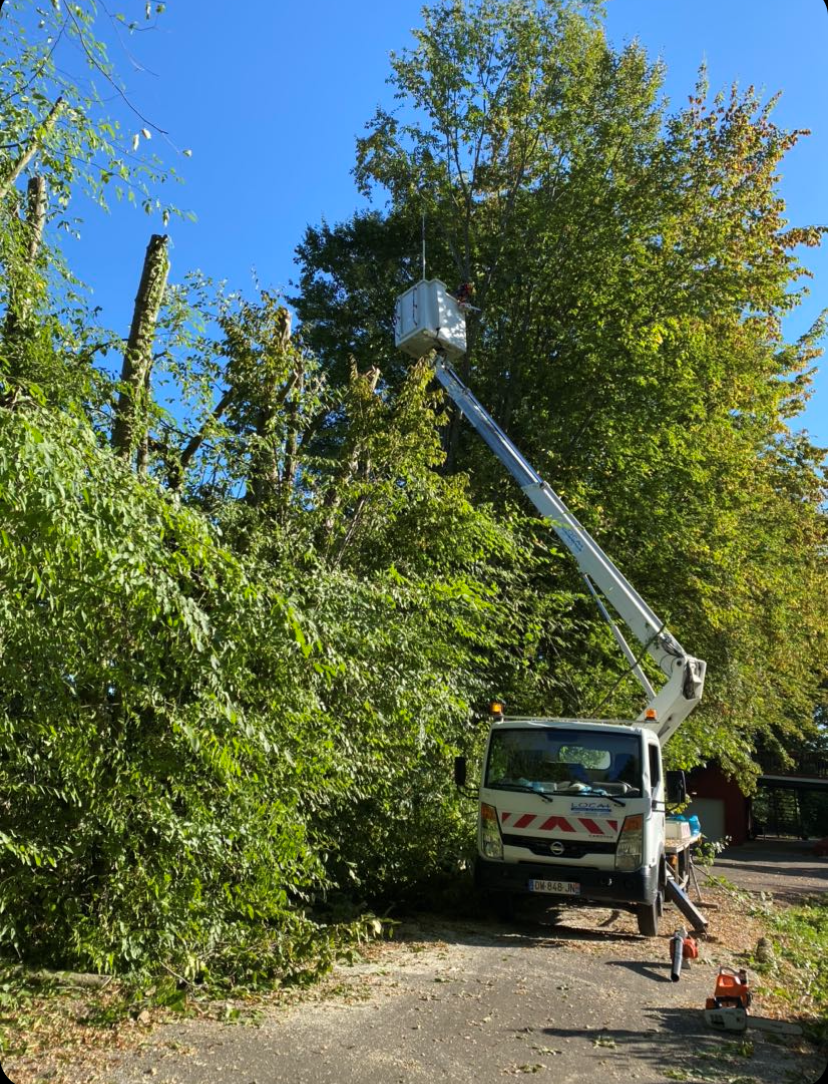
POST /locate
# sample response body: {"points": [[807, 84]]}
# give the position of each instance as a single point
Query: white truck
{"points": [[574, 809]]}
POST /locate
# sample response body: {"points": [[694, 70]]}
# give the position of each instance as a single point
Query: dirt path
{"points": [[474, 1002]]}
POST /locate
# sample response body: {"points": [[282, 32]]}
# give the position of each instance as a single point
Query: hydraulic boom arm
{"points": [[684, 673]]}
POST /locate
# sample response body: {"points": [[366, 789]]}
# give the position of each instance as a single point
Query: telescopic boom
{"points": [[670, 706]]}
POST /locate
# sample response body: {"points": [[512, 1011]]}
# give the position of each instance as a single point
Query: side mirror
{"points": [[459, 771], [676, 788]]}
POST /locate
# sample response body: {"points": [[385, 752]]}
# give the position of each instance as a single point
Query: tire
{"points": [[648, 915]]}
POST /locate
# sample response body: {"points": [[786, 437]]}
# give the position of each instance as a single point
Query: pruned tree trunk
{"points": [[35, 215], [144, 440], [23, 287], [294, 404], [127, 430]]}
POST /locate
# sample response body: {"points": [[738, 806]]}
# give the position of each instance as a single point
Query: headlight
{"points": [[628, 853], [490, 842]]}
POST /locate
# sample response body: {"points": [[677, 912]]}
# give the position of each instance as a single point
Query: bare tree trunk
{"points": [[294, 405], [22, 293], [42, 130], [35, 214], [137, 367]]}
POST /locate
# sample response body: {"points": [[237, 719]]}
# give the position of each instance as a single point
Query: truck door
{"points": [[655, 784]]}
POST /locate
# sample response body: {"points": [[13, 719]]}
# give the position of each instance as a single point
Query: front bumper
{"points": [[597, 885]]}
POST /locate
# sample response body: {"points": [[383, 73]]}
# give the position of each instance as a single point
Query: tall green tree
{"points": [[632, 268]]}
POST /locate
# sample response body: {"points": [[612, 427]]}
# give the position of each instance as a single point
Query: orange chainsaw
{"points": [[727, 1010]]}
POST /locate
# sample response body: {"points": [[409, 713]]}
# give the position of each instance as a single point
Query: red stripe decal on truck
{"points": [[563, 824], [591, 826], [557, 822]]}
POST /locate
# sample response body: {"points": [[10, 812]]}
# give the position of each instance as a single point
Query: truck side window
{"points": [[655, 766]]}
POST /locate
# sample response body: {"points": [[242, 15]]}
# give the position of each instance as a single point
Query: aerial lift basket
{"points": [[427, 317]]}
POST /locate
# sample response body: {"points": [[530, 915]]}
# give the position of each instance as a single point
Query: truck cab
{"points": [[574, 810]]}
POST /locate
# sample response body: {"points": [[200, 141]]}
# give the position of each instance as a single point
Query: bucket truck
{"points": [[574, 809]]}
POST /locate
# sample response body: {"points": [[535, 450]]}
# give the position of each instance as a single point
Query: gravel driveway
{"points": [[570, 998], [785, 867], [583, 999]]}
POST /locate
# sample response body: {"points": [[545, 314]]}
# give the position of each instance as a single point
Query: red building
{"points": [[719, 804], [780, 807]]}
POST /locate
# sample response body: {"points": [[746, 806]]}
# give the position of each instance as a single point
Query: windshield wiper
{"points": [[590, 792], [526, 789], [611, 797], [603, 794]]}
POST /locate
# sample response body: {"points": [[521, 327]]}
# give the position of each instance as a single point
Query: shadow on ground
{"points": [[534, 924], [681, 1044]]}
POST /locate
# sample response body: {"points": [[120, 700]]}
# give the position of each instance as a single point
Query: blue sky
{"points": [[270, 96]]}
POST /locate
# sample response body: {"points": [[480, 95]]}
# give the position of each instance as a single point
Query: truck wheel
{"points": [[648, 915]]}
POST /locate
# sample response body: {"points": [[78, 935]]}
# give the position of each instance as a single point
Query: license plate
{"points": [[560, 888]]}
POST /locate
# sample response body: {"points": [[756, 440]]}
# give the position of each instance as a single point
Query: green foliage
{"points": [[232, 682], [800, 973], [88, 149], [146, 811], [57, 89], [182, 743], [706, 852]]}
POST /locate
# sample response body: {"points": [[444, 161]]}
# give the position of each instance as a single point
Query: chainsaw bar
{"points": [[732, 1018], [780, 1027]]}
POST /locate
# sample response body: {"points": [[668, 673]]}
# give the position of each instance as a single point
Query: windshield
{"points": [[564, 761]]}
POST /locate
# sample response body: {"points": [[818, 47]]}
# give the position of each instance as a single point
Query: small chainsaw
{"points": [[727, 1010]]}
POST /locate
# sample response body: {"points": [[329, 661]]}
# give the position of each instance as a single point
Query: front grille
{"points": [[540, 846]]}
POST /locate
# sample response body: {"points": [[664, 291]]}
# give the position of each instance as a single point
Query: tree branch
{"points": [[195, 442], [93, 60], [38, 136]]}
